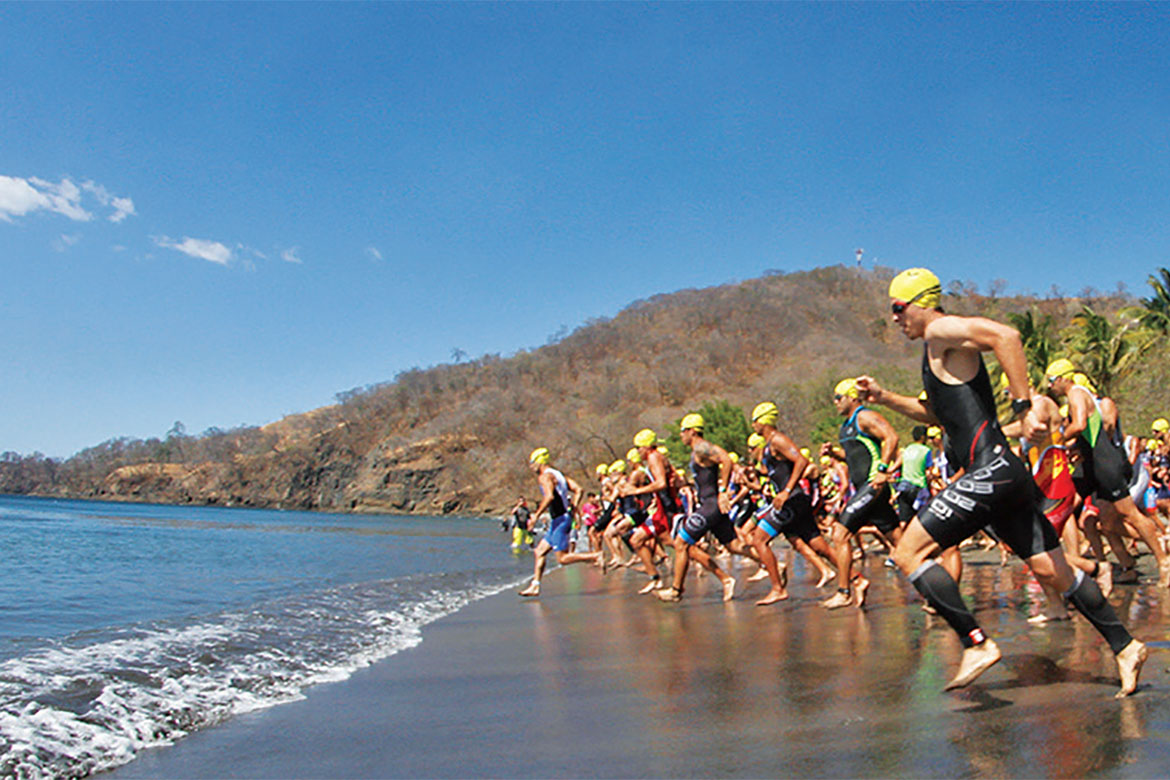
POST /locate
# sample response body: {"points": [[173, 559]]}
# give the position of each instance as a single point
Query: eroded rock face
{"points": [[416, 478]]}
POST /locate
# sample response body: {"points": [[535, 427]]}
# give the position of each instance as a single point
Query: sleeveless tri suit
{"points": [[997, 490]]}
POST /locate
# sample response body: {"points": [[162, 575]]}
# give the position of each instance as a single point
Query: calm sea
{"points": [[126, 626]]}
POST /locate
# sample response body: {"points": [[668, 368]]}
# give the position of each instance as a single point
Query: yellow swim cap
{"points": [[662, 449], [617, 467], [1060, 368], [847, 388], [806, 452], [917, 286], [633, 456], [765, 413], [539, 455], [1161, 425], [734, 457], [1084, 381], [933, 432], [601, 469], [692, 422], [1152, 444], [645, 438], [755, 440], [826, 460]]}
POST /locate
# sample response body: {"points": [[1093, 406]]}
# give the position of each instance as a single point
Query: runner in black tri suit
{"points": [[791, 510], [868, 445], [996, 489], [712, 469]]}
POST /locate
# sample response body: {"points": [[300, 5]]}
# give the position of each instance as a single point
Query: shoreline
{"points": [[593, 680], [205, 505]]}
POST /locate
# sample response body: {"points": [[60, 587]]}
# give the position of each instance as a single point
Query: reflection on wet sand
{"points": [[794, 689]]}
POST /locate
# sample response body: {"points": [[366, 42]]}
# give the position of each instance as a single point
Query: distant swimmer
{"points": [[790, 512], [560, 497], [868, 444], [996, 489], [518, 522]]}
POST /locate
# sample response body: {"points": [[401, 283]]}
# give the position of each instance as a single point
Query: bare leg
{"points": [[759, 540], [539, 554]]}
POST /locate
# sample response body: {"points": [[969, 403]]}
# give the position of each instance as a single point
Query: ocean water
{"points": [[127, 626]]}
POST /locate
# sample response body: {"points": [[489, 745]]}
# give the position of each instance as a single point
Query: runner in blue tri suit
{"points": [[559, 496], [790, 512]]}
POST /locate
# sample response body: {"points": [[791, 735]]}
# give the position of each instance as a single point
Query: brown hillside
{"points": [[455, 438]]}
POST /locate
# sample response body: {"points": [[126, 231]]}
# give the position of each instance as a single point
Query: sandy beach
{"points": [[593, 680]]}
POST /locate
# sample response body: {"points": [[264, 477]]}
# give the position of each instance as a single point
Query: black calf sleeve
{"points": [[1087, 598], [942, 592]]}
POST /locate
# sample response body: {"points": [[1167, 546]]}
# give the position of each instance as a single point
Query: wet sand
{"points": [[593, 680]]}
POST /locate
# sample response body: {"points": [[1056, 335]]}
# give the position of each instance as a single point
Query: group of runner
{"points": [[965, 474]]}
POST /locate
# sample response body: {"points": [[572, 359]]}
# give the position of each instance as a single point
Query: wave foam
{"points": [[80, 707]]}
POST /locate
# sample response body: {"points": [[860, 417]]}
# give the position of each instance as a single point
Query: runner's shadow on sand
{"points": [[1035, 670]]}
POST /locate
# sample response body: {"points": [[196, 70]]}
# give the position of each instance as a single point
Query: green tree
{"points": [[1038, 333], [1155, 310], [726, 424], [1107, 352]]}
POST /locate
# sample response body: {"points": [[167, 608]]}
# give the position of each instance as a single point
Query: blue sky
{"points": [[221, 214]]}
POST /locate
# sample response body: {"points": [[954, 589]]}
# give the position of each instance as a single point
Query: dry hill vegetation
{"points": [[455, 438]]}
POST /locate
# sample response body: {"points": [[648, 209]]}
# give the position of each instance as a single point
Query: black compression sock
{"points": [[1087, 598], [942, 592]]}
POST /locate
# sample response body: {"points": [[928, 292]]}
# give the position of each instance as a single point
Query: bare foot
{"points": [[859, 590], [668, 594], [1129, 666], [1043, 617], [729, 589], [531, 591], [761, 574], [837, 600], [651, 586], [772, 597], [826, 576], [1164, 574], [975, 661]]}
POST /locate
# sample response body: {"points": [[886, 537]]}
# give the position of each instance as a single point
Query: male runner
{"points": [[1105, 469], [712, 469], [560, 496], [791, 510], [996, 488], [868, 443]]}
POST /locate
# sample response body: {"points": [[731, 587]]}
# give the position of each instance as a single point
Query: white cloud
{"points": [[65, 241], [20, 196], [123, 207], [199, 248], [373, 252], [290, 255]]}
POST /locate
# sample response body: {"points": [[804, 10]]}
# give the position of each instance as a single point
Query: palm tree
{"points": [[1038, 335], [1105, 351], [1155, 310]]}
